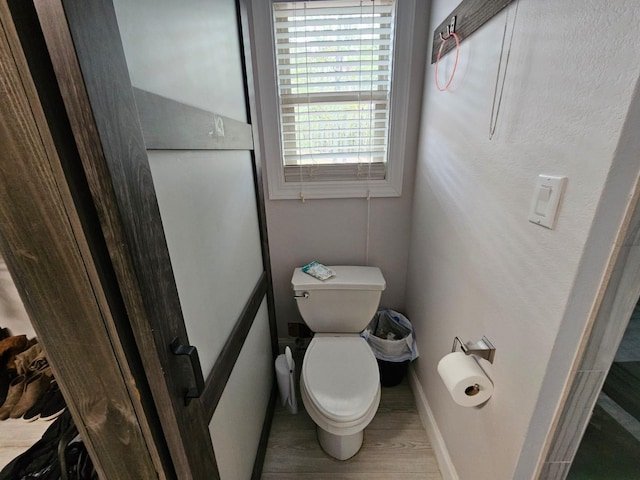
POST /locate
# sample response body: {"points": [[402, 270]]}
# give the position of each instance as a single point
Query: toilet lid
{"points": [[341, 376]]}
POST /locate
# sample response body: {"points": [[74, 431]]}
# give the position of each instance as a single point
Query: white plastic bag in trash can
{"points": [[285, 373], [390, 336]]}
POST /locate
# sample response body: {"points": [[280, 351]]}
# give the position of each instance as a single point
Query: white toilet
{"points": [[339, 381]]}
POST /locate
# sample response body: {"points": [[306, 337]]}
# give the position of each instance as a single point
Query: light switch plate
{"points": [[546, 200]]}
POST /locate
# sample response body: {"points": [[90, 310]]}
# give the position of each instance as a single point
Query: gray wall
{"points": [[12, 313], [476, 265], [335, 231]]}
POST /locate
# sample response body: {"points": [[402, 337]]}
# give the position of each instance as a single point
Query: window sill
{"points": [[336, 189]]}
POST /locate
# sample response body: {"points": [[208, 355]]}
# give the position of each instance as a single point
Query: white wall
{"points": [[476, 265], [12, 313], [335, 231]]}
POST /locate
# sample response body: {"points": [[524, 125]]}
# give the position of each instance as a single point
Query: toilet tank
{"points": [[345, 303]]}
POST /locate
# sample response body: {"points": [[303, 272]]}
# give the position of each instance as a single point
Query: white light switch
{"points": [[546, 200], [542, 202]]}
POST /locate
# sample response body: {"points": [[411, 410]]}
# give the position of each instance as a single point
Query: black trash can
{"points": [[392, 373], [390, 336]]}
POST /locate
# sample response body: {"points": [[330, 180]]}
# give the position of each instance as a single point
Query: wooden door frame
{"points": [[73, 82], [49, 242], [88, 60], [89, 63]]}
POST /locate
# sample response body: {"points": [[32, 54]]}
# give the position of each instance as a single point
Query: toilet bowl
{"points": [[340, 389], [339, 381]]}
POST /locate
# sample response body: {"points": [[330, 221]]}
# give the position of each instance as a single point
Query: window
{"points": [[333, 67], [333, 100]]}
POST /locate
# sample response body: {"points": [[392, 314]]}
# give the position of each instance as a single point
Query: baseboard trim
{"points": [[447, 468]]}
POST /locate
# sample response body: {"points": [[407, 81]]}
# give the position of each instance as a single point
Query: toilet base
{"points": [[341, 447]]}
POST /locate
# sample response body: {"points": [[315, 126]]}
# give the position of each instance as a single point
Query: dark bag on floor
{"points": [[75, 463], [41, 460], [58, 455]]}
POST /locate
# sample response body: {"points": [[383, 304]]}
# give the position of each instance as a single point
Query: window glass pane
{"points": [[237, 422], [210, 218], [176, 50], [333, 68], [190, 52]]}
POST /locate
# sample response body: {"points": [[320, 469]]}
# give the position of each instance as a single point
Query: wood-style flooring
{"points": [[17, 436], [395, 446]]}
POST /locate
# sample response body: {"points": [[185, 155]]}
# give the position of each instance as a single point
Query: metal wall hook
{"points": [[451, 29], [482, 348]]}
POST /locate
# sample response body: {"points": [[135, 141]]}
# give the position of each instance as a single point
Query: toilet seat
{"points": [[340, 382]]}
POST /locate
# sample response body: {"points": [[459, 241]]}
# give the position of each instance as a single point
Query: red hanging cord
{"points": [[455, 65]]}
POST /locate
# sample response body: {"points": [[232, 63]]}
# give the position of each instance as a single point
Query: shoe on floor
{"points": [[24, 359], [14, 394], [54, 405], [6, 377], [34, 412], [34, 388], [10, 347]]}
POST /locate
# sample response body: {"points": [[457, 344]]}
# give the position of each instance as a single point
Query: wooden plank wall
{"points": [[470, 16]]}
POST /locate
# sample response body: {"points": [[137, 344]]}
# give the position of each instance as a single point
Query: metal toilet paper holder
{"points": [[482, 348]]}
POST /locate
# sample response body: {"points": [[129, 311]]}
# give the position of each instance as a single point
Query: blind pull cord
{"points": [[493, 121]]}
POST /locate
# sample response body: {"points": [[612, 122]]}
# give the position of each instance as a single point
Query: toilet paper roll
{"points": [[465, 380]]}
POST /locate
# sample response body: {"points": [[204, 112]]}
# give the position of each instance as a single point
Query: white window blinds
{"points": [[333, 70]]}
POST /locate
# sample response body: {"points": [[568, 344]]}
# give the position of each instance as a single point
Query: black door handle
{"points": [[192, 353]]}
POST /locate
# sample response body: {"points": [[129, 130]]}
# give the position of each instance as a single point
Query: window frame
{"points": [[262, 35]]}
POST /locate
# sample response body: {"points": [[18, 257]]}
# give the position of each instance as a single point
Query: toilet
{"points": [[339, 381]]}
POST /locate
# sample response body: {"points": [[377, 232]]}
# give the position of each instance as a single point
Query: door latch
{"points": [[192, 352]]}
